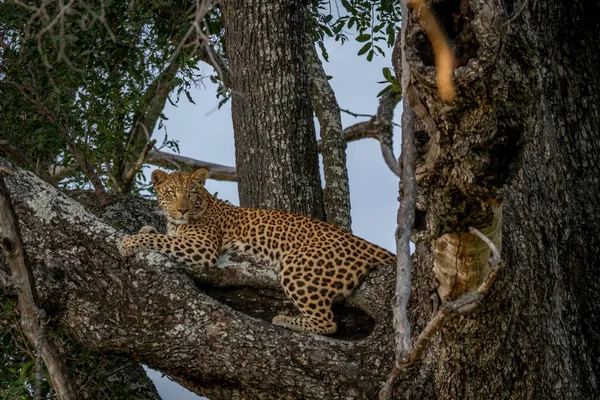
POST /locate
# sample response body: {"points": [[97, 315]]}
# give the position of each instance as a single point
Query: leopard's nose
{"points": [[183, 211]]}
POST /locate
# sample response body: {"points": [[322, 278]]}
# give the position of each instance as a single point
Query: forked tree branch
{"points": [[379, 127], [465, 304]]}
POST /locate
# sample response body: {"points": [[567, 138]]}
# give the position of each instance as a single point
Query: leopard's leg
{"points": [[313, 299], [199, 250]]}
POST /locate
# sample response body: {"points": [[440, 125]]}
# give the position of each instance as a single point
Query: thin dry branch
{"points": [[378, 127], [140, 161], [32, 318], [336, 193], [406, 218], [465, 304], [169, 160]]}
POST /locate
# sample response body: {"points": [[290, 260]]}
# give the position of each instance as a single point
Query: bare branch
{"points": [[378, 127], [31, 315], [131, 173], [60, 172], [495, 259], [465, 304], [215, 171], [406, 218]]}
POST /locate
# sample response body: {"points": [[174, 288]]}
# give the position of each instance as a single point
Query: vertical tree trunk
{"points": [[537, 336], [276, 150], [336, 194]]}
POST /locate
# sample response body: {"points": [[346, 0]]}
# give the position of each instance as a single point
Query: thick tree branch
{"points": [[151, 310]]}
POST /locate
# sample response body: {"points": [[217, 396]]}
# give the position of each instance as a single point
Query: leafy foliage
{"points": [[89, 76], [17, 360], [375, 23]]}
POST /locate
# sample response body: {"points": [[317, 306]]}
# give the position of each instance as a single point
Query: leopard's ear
{"points": [[158, 176], [200, 175]]}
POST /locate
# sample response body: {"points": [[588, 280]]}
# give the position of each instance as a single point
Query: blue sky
{"points": [[206, 133]]}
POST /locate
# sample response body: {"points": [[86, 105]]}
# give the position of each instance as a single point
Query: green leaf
{"points": [[24, 369], [189, 97], [370, 55], [384, 90], [363, 38], [387, 74], [327, 19], [364, 49]]}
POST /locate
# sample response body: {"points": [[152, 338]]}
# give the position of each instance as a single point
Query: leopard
{"points": [[318, 263]]}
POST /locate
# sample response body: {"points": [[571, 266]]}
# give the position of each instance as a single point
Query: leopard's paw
{"points": [[126, 247], [148, 229]]}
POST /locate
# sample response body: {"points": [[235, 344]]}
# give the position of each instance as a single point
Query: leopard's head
{"points": [[181, 195]]}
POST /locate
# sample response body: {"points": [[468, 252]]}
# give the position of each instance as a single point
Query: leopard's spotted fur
{"points": [[319, 263]]}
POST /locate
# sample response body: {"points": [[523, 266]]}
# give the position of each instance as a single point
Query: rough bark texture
{"points": [[276, 151], [151, 310], [336, 193], [527, 114]]}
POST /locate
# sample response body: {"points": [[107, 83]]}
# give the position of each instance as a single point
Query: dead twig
{"points": [[465, 304], [140, 161]]}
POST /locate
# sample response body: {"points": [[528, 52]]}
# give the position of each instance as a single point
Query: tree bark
{"points": [[276, 151], [336, 194], [151, 310], [526, 114]]}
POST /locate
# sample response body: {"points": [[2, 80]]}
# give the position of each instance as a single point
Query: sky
{"points": [[206, 133]]}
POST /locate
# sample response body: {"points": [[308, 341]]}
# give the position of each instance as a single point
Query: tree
{"points": [[516, 145]]}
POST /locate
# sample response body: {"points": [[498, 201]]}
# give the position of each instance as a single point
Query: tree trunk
{"points": [[526, 115], [527, 78], [276, 150]]}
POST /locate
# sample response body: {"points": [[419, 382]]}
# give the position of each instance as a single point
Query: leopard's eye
{"points": [[170, 193]]}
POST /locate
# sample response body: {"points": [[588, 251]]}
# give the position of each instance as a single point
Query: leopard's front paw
{"points": [[148, 229], [127, 247]]}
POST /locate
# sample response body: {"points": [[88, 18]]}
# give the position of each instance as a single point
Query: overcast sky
{"points": [[206, 133]]}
